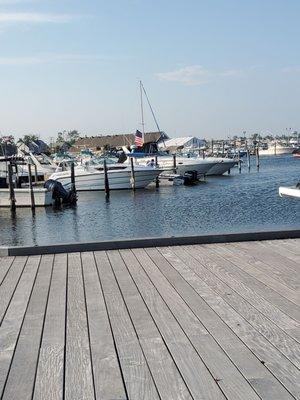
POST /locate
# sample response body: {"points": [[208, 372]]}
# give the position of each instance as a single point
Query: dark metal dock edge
{"points": [[147, 242]]}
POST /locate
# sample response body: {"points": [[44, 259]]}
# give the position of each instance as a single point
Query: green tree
{"points": [[26, 139]]}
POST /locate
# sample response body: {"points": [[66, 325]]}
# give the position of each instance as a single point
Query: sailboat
{"points": [[165, 161]]}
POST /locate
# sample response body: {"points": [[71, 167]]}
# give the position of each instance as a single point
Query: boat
{"points": [[276, 150], [42, 197], [88, 178], [290, 191], [183, 164], [223, 165]]}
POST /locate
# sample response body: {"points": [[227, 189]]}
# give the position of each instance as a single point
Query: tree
{"points": [[27, 139], [72, 136], [7, 145]]}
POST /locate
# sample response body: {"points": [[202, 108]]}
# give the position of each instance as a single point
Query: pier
{"points": [[195, 321]]}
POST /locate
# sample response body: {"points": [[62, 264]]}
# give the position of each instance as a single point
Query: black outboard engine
{"points": [[59, 193]]}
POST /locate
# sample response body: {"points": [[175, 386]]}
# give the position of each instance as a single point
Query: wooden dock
{"points": [[202, 322]]}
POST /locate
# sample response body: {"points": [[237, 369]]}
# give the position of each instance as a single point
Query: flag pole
{"points": [[142, 111]]}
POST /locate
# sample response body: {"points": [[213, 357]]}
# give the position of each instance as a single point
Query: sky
{"points": [[212, 69]]}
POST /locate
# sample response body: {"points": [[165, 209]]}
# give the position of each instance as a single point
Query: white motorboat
{"points": [[183, 164], [119, 177], [290, 191], [276, 150], [223, 165], [42, 197]]}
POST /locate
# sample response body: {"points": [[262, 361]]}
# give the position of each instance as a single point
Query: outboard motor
{"points": [[59, 193]]}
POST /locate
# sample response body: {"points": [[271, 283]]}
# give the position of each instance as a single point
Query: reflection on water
{"points": [[223, 204]]}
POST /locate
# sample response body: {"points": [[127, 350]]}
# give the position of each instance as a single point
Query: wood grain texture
{"points": [[238, 258], [196, 374], [107, 374], [50, 371], [169, 382], [279, 266], [11, 325], [20, 382], [9, 284], [230, 380], [203, 322], [78, 369], [137, 376], [214, 313], [264, 315], [5, 263], [272, 358]]}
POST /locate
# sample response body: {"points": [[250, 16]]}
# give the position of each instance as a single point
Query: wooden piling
{"points": [[106, 182], [174, 163], [11, 188], [212, 147], [239, 161], [257, 158], [35, 174], [248, 159], [223, 148], [31, 187], [157, 178], [73, 187], [132, 179]]}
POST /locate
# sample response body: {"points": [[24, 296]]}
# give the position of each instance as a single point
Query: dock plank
{"points": [[12, 322], [21, 377], [50, 371], [5, 263], [239, 258], [280, 266], [137, 376], [78, 369], [263, 314], [262, 284], [107, 374], [196, 374], [277, 363], [232, 383], [9, 284], [167, 378], [202, 322], [215, 313]]}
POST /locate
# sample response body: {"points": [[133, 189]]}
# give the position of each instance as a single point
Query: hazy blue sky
{"points": [[211, 68]]}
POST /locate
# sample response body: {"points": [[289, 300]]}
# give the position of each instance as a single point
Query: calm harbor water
{"points": [[231, 203]]}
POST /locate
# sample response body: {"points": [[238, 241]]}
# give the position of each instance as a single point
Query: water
{"points": [[234, 203]]}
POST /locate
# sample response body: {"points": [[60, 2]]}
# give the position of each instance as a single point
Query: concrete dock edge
{"points": [[147, 242]]}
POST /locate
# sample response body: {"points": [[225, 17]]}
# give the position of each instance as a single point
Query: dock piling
{"points": [[106, 182], [248, 159], [174, 163], [239, 161], [73, 187], [11, 188], [132, 174], [31, 187], [35, 174], [157, 178], [257, 158]]}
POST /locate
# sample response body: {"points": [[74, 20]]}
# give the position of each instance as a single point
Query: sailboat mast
{"points": [[142, 111], [152, 112]]}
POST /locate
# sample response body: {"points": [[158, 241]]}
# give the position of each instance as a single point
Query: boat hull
{"points": [[42, 197], [221, 167], [183, 165], [276, 151], [289, 192], [118, 180]]}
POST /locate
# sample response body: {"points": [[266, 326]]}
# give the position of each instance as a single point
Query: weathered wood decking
{"points": [[203, 322]]}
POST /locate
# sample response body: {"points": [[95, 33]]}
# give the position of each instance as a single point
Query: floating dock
{"points": [[214, 321]]}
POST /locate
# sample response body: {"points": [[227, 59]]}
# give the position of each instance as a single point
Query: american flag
{"points": [[138, 140]]}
